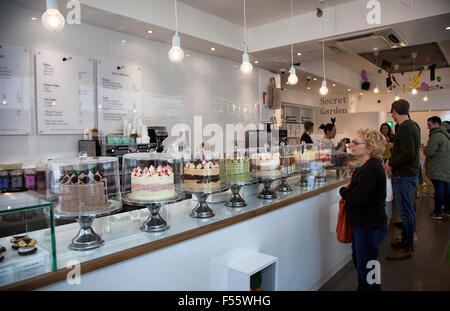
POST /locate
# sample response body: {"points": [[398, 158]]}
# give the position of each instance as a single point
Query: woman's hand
{"points": [[390, 145]]}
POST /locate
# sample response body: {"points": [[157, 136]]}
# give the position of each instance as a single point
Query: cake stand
{"points": [[284, 186], [267, 193], [202, 209], [86, 239], [154, 223], [235, 186]]}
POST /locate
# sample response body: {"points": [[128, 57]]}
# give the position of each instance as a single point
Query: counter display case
{"points": [[27, 240], [84, 188], [148, 180]]}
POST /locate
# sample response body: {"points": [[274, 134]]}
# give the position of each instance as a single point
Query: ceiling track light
{"points": [[52, 19], [246, 66], [176, 54]]}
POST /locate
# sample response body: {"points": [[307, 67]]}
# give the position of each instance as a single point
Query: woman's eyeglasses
{"points": [[356, 143]]}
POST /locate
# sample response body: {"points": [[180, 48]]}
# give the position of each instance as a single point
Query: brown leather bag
{"points": [[344, 231]]}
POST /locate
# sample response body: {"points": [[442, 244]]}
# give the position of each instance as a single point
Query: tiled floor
{"points": [[424, 271]]}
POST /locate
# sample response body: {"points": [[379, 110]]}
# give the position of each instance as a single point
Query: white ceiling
{"points": [[422, 31], [258, 12]]}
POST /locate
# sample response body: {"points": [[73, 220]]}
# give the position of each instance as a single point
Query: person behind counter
{"points": [[330, 132], [365, 198], [386, 130], [309, 128]]}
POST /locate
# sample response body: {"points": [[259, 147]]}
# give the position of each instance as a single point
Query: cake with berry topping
{"points": [[82, 192], [152, 184], [202, 175]]}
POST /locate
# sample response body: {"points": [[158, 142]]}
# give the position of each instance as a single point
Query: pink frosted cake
{"points": [[152, 184]]}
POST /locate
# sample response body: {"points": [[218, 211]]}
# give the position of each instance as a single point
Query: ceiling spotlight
{"points": [[123, 41], [333, 84], [213, 49], [299, 54], [425, 98], [34, 18], [349, 90], [396, 98], [187, 55], [308, 87], [414, 91], [149, 31], [315, 79], [256, 62], [448, 28]]}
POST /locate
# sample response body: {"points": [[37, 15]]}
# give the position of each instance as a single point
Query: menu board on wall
{"points": [[119, 93], [65, 93], [15, 78]]}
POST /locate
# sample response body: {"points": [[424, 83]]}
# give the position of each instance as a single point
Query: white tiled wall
{"points": [[208, 86]]}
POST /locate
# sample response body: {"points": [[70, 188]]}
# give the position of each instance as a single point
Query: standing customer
{"points": [[365, 197], [404, 165], [309, 128], [437, 165]]}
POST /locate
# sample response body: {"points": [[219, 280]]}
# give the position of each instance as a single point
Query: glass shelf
{"points": [[21, 201]]}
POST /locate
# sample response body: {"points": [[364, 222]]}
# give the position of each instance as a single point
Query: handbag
{"points": [[344, 231]]}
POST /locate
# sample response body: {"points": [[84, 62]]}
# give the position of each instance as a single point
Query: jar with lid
{"points": [[4, 179], [41, 181], [30, 178], [16, 179]]}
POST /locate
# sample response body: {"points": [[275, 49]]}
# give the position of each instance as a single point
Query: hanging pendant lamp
{"points": [[176, 54], [246, 66]]}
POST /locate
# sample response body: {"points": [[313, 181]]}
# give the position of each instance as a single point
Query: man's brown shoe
{"points": [[397, 245], [399, 254]]}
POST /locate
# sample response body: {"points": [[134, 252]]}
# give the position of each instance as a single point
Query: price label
{"points": [[31, 269]]}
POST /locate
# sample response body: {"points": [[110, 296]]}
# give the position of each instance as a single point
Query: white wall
{"points": [[208, 85]]}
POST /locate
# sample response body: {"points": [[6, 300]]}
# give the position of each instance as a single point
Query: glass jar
{"points": [[4, 180], [16, 180], [30, 178]]}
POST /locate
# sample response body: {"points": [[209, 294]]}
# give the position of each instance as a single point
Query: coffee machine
{"points": [[157, 135]]}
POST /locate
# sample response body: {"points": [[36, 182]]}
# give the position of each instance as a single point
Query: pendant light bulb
{"points": [[323, 90], [293, 79], [425, 98], [396, 98], [246, 66], [414, 91], [376, 90], [52, 19], [176, 54]]}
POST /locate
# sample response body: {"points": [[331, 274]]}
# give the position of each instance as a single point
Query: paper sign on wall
{"points": [[15, 79], [65, 93], [119, 93]]}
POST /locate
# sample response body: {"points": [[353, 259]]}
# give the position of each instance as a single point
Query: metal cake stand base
{"points": [[284, 186], [267, 193], [236, 200], [86, 239]]}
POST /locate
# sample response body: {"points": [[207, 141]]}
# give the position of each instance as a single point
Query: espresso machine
{"points": [[157, 135]]}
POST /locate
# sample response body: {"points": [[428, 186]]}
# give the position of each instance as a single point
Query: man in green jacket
{"points": [[437, 165], [404, 165]]}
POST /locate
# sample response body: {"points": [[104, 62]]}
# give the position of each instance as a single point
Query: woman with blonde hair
{"points": [[365, 198]]}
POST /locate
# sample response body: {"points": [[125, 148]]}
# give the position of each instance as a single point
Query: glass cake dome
{"points": [[287, 159], [201, 170], [149, 176], [265, 161], [84, 184], [235, 166]]}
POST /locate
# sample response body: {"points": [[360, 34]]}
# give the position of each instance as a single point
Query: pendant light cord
{"points": [[245, 31], [176, 17], [323, 46], [292, 36]]}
